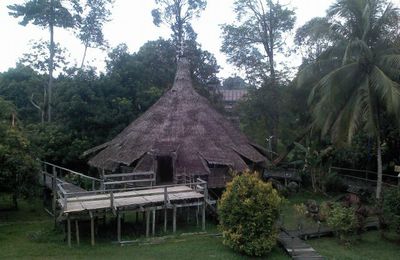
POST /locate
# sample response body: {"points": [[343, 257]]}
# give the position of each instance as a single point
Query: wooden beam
{"points": [[91, 227], [119, 226], [203, 219], [174, 220], [165, 219], [54, 190], [147, 222], [153, 228], [197, 215], [77, 231], [69, 230]]}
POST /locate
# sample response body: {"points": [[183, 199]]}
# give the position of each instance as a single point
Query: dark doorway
{"points": [[165, 171]]}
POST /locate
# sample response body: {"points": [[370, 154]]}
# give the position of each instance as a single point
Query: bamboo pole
{"points": [[174, 220], [91, 227], [119, 227], [54, 190], [77, 231], [147, 222], [153, 229], [203, 219], [69, 230]]}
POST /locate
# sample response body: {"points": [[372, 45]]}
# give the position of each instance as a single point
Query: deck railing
{"points": [[113, 194], [129, 179], [51, 174], [366, 176]]}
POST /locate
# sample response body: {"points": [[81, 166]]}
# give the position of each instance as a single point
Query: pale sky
{"points": [[132, 24]]}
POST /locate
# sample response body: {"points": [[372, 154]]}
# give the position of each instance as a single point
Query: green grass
{"points": [[289, 218], [371, 246], [28, 234]]}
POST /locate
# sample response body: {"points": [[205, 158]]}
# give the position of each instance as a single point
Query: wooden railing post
{"points": [[54, 189], [112, 200], [165, 208], [204, 207], [102, 180]]}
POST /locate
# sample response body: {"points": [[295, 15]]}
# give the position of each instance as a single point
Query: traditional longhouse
{"points": [[180, 135]]}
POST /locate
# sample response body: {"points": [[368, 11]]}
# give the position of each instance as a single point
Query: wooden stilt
{"points": [[165, 219], [54, 190], [153, 228], [69, 230], [174, 220], [197, 215], [118, 227], [77, 232], [91, 227], [203, 217], [147, 222]]}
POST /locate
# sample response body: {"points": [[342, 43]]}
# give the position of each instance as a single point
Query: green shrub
{"points": [[248, 211], [342, 220], [391, 205]]}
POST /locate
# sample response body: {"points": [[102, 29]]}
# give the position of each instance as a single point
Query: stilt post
{"points": [[153, 228], [119, 227], [165, 208], [69, 230], [77, 231], [174, 220], [91, 227], [147, 222], [54, 190]]}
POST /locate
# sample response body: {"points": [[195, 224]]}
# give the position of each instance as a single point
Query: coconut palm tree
{"points": [[363, 81]]}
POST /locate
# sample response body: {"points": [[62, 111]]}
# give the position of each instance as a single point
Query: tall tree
{"points": [[177, 14], [48, 14], [363, 84], [17, 165], [95, 14], [252, 44]]}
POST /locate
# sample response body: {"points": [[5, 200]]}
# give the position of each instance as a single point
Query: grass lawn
{"points": [[28, 234], [370, 247]]}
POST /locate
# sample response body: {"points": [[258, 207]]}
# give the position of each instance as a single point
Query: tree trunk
{"points": [[379, 162], [84, 55], [51, 63]]}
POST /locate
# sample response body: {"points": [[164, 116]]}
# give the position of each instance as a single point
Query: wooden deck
{"points": [[140, 198], [76, 203], [296, 247], [68, 187]]}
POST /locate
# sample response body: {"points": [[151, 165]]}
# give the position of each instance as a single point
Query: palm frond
{"points": [[388, 91]]}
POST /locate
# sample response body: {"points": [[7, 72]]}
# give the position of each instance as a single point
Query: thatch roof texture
{"points": [[183, 124]]}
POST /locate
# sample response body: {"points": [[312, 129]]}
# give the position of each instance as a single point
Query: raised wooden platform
{"points": [[131, 199]]}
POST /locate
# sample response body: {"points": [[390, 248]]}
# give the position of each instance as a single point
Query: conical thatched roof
{"points": [[182, 124]]}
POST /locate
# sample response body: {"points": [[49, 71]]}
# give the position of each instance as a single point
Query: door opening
{"points": [[165, 171]]}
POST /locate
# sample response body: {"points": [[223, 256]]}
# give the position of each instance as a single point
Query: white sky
{"points": [[132, 24]]}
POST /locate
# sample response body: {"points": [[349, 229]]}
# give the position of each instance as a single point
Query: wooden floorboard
{"points": [[136, 198], [297, 248]]}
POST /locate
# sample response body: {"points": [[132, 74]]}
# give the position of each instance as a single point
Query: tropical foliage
{"points": [[18, 167], [361, 66], [248, 211]]}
